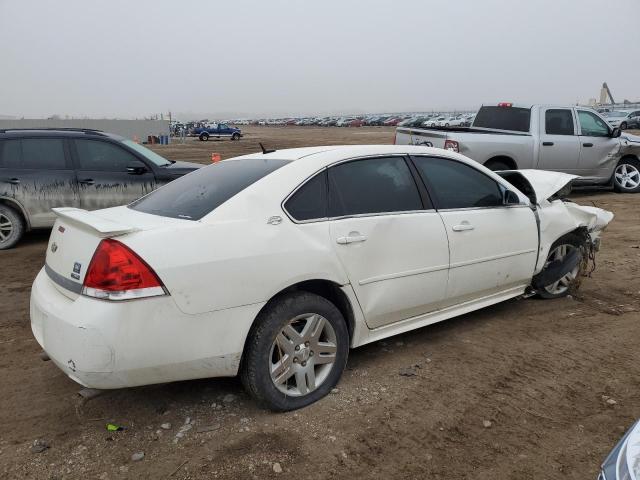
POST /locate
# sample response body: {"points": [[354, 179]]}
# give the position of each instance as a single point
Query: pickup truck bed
{"points": [[567, 139]]}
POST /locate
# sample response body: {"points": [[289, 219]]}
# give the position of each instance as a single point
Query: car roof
{"points": [[346, 151], [55, 132]]}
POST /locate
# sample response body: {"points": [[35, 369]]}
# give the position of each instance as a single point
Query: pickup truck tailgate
{"points": [[430, 138]]}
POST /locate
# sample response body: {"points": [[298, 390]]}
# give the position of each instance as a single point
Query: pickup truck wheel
{"points": [[296, 352], [11, 227], [235, 137], [204, 137], [497, 165], [626, 177], [558, 251]]}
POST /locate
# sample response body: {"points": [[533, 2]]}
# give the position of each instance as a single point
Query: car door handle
{"points": [[462, 227], [87, 181], [587, 144], [547, 144], [353, 237], [13, 181]]}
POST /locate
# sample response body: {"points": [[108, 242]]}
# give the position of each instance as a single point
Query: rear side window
{"points": [[34, 153], [375, 185], [503, 118], [10, 154], [199, 193], [103, 156], [558, 122], [309, 202], [457, 185]]}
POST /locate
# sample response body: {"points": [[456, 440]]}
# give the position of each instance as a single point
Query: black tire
{"points": [[497, 165], [576, 241], [623, 126], [204, 137], [621, 184], [235, 137], [11, 227], [255, 371]]}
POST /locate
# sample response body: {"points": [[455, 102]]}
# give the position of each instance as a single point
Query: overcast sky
{"points": [[123, 58]]}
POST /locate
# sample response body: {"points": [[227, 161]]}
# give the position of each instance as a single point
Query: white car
{"points": [[433, 122], [273, 265]]}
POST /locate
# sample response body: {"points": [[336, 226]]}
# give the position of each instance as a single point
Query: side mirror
{"points": [[510, 198], [616, 132]]}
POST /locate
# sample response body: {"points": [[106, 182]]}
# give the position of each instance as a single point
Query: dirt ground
{"points": [[557, 380]]}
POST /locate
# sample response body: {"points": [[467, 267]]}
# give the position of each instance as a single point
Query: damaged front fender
{"points": [[559, 217]]}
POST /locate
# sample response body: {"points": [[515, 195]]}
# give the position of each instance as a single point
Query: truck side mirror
{"points": [[616, 132]]}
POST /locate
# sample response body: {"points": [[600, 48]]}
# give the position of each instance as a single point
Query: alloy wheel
{"points": [[561, 286], [627, 176], [6, 227], [303, 354]]}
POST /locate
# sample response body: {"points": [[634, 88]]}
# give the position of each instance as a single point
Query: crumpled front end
{"points": [[557, 218]]}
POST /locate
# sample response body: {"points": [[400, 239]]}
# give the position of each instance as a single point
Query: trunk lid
{"points": [[76, 235]]}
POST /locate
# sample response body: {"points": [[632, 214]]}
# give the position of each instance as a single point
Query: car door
{"points": [[390, 241], [597, 148], [559, 148], [37, 173], [109, 175], [492, 247]]}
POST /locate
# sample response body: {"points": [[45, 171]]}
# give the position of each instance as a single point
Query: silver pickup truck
{"points": [[568, 139]]}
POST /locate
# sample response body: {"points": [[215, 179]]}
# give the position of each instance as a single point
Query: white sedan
{"points": [[272, 266]]}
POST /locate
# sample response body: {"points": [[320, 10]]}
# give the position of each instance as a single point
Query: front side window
{"points": [[309, 202], [102, 156], [558, 122], [457, 185], [592, 125], [197, 194], [371, 186]]}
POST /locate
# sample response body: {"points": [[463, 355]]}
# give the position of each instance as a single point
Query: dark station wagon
{"points": [[88, 169]]}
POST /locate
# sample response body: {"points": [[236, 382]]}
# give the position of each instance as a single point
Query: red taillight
{"points": [[451, 145], [505, 104], [117, 273]]}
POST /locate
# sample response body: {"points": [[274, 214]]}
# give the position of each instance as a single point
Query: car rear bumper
{"points": [[102, 344]]}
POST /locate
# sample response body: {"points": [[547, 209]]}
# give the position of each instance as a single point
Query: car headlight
{"points": [[623, 463]]}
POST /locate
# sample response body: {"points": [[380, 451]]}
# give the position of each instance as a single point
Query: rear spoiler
{"points": [[85, 219]]}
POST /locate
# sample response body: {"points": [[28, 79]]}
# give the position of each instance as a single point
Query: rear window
{"points": [[503, 118], [195, 195]]}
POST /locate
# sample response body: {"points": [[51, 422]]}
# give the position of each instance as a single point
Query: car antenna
{"points": [[264, 150]]}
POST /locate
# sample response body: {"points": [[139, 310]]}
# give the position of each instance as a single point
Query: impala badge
{"points": [[54, 247], [76, 271]]}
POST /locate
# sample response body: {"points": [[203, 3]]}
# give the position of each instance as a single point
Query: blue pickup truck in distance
{"points": [[216, 130]]}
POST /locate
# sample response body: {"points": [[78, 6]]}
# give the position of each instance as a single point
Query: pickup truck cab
{"points": [[570, 139], [216, 130]]}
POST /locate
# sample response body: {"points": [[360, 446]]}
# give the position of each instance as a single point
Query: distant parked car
{"points": [[433, 122], [623, 120], [89, 169], [217, 130]]}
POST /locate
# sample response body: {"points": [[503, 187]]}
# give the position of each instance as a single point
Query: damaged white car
{"points": [[273, 265]]}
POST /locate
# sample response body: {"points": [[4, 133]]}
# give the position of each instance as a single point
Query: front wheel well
{"points": [[501, 159]]}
